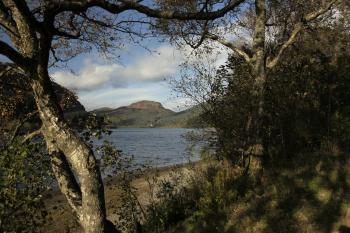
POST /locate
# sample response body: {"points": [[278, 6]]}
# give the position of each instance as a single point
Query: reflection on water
{"points": [[154, 146]]}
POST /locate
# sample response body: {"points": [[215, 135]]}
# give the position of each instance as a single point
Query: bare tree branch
{"points": [[313, 15], [232, 46], [56, 7], [202, 37], [20, 124], [6, 21], [26, 13], [12, 54], [171, 14], [292, 38], [272, 62], [31, 135], [58, 32]]}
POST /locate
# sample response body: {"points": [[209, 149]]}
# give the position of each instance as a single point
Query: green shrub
{"points": [[24, 177], [198, 199]]}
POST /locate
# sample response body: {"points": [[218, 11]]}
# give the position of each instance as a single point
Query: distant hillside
{"points": [[188, 118], [148, 114], [104, 109]]}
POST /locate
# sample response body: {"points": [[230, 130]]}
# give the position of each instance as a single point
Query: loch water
{"points": [[155, 147]]}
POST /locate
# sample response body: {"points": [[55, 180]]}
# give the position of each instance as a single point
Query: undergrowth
{"points": [[308, 193], [198, 196]]}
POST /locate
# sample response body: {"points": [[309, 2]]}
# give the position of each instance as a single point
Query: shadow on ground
{"points": [[306, 194]]}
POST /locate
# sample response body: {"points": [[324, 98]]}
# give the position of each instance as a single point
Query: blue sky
{"points": [[138, 75]]}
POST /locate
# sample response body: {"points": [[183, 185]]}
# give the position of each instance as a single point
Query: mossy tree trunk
{"points": [[258, 69], [69, 153], [73, 162]]}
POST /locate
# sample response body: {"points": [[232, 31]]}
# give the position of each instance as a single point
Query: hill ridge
{"points": [[147, 113], [147, 105]]}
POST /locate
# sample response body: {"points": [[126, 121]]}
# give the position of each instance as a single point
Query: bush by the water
{"points": [[198, 199]]}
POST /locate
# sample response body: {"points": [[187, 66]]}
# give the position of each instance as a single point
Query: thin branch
{"points": [[292, 38], [56, 7], [172, 14], [6, 21], [57, 32], [20, 124], [232, 46], [205, 6], [272, 62], [313, 15], [202, 38], [95, 21], [31, 135], [13, 55]]}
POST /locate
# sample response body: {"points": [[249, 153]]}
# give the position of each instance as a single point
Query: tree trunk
{"points": [[259, 63], [74, 164], [259, 73], [262, 118]]}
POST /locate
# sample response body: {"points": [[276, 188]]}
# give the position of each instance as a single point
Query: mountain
{"points": [[148, 105], [146, 114]]}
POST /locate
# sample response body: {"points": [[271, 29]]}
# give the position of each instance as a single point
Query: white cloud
{"points": [[150, 67], [116, 97], [90, 76], [160, 64], [113, 85]]}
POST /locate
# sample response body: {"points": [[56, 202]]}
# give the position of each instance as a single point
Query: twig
{"points": [[31, 135]]}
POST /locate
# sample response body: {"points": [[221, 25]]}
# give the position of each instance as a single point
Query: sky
{"points": [[139, 74]]}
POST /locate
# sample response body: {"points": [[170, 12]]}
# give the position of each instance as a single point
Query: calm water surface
{"points": [[157, 147]]}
